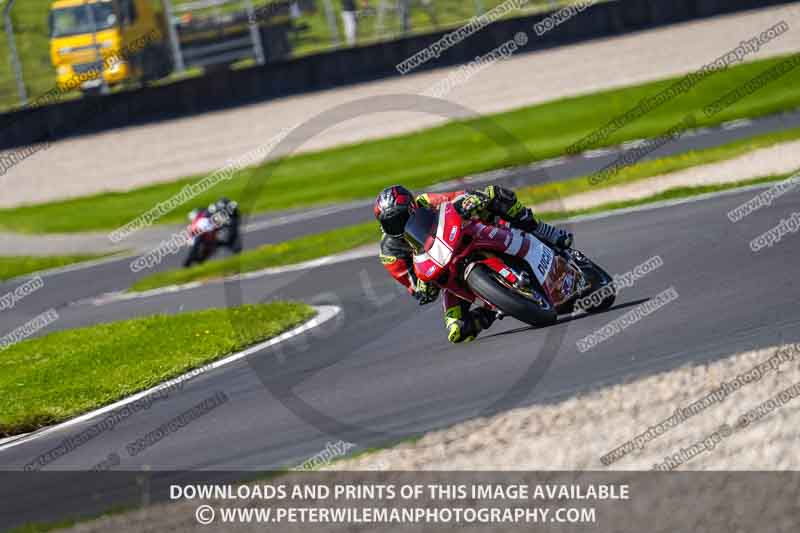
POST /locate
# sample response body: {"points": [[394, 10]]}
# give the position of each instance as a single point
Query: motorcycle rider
{"points": [[229, 213], [222, 218], [394, 206]]}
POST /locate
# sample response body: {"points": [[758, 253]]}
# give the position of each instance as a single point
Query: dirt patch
{"points": [[775, 160], [577, 433]]}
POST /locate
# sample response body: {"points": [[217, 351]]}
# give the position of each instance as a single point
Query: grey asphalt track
{"points": [[384, 370]]}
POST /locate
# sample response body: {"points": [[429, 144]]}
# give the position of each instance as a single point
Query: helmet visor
{"points": [[420, 231], [396, 224]]}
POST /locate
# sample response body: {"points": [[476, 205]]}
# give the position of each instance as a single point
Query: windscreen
{"points": [[421, 229], [78, 19]]}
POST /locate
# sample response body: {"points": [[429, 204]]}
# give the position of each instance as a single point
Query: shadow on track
{"points": [[564, 320]]}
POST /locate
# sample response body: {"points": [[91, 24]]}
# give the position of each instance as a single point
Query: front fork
{"points": [[520, 280], [576, 259]]}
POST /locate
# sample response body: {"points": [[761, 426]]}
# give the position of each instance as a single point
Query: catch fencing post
{"points": [[255, 33], [12, 47], [405, 17], [381, 14], [333, 26], [177, 56]]}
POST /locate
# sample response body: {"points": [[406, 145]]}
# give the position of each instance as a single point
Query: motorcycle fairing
{"points": [[562, 282], [555, 275], [430, 264]]}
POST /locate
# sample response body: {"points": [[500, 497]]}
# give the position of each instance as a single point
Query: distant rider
{"points": [[200, 223], [394, 206], [229, 235]]}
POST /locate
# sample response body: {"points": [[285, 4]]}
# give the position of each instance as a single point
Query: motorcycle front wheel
{"points": [[198, 253], [527, 305], [602, 292]]}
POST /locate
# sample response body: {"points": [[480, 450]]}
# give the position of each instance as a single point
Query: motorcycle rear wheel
{"points": [[512, 301]]}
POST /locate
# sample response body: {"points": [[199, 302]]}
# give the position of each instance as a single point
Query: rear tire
{"points": [[486, 283]]}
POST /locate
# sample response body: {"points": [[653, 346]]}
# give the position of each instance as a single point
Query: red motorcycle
{"points": [[501, 268], [202, 230]]}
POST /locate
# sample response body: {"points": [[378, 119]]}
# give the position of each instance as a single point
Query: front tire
{"points": [[510, 300], [598, 279], [198, 253]]}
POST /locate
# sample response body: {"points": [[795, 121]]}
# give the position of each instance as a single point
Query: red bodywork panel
{"points": [[456, 239], [561, 281], [444, 250], [196, 229]]}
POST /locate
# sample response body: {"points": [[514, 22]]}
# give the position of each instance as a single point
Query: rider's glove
{"points": [[564, 239], [425, 293], [505, 203], [472, 203]]}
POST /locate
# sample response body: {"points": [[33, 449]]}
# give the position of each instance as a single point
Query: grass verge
{"points": [[455, 149], [53, 378], [646, 169], [270, 255], [670, 194], [16, 265]]}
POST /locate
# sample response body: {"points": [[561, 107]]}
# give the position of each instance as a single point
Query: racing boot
{"points": [[505, 202], [558, 238], [464, 325]]}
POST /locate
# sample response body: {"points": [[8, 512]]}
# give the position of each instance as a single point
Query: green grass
{"points": [[670, 194], [269, 255], [420, 159], [53, 378], [13, 266], [646, 169], [33, 44]]}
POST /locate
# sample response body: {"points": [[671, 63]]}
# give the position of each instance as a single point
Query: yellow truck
{"points": [[143, 40], [89, 37]]}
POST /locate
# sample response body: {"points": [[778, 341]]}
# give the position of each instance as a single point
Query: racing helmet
{"points": [[393, 207], [224, 204]]}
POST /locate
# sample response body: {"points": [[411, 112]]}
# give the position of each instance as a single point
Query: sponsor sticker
{"points": [[566, 288]]}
